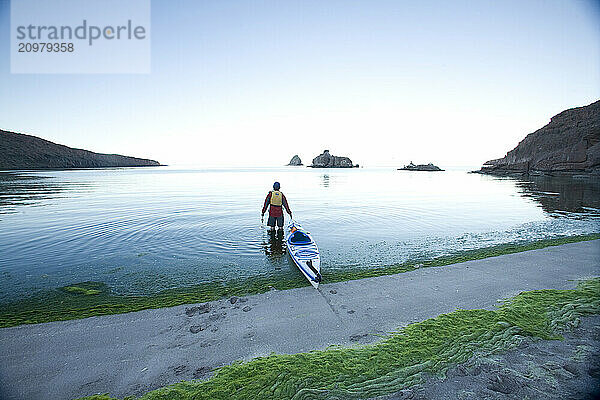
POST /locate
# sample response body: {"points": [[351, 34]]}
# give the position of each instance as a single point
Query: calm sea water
{"points": [[144, 230]]}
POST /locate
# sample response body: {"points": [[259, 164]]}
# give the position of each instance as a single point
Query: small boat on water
{"points": [[304, 252]]}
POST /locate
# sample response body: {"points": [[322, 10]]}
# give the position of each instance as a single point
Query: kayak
{"points": [[304, 252]]}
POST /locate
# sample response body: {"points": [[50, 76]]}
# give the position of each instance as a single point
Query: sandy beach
{"points": [[130, 354]]}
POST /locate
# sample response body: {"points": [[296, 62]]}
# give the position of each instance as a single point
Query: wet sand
{"points": [[129, 354]]}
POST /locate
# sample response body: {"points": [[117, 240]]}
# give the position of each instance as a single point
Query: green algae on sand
{"points": [[87, 299], [84, 288], [398, 361], [458, 257]]}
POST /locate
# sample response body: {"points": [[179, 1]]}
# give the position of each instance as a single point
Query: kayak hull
{"points": [[305, 256]]}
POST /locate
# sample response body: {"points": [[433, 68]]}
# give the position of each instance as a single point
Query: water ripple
{"points": [[146, 230]]}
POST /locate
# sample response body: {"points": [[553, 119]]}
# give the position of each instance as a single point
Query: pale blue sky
{"points": [[385, 82]]}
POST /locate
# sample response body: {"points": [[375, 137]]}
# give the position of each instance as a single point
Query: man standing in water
{"points": [[275, 199]]}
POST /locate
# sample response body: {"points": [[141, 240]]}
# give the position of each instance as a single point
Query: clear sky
{"points": [[384, 82]]}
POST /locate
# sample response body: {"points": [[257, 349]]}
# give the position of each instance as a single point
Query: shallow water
{"points": [[143, 230]]}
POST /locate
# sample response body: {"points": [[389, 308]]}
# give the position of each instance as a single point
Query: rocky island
{"points": [[327, 160], [568, 145], [20, 151], [295, 161], [420, 167]]}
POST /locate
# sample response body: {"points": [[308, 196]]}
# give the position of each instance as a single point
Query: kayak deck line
{"points": [[304, 252]]}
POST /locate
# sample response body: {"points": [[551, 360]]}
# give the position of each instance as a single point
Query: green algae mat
{"points": [[398, 361], [86, 299]]}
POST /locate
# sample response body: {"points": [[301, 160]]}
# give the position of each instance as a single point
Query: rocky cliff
{"points": [[19, 151], [326, 160], [295, 161], [569, 144]]}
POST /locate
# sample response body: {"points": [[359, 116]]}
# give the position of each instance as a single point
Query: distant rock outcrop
{"points": [[420, 167], [295, 161], [19, 151], [326, 160], [569, 144]]}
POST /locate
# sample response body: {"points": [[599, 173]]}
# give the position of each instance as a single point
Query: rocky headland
{"points": [[326, 160], [420, 167], [568, 145], [20, 151], [295, 161]]}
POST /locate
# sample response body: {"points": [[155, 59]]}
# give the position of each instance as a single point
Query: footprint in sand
{"points": [[357, 337], [201, 309], [180, 369], [200, 372], [217, 316], [198, 328]]}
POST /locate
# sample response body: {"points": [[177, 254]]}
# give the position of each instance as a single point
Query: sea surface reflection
{"points": [[144, 230], [563, 196], [18, 189]]}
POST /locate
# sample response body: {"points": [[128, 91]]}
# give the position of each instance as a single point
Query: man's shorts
{"points": [[271, 221]]}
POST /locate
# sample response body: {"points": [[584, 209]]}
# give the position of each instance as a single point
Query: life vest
{"points": [[276, 198]]}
